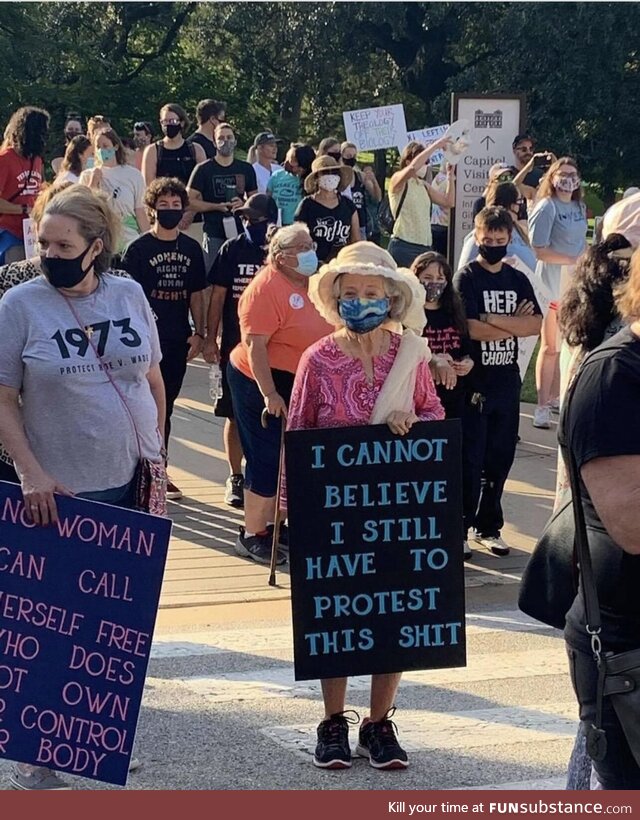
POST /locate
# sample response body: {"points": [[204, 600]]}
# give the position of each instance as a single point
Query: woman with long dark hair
{"points": [[21, 176], [76, 155]]}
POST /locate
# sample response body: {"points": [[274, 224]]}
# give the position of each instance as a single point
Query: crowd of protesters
{"points": [[271, 269]]}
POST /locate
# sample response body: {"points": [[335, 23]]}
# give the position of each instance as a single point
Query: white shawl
{"points": [[399, 386]]}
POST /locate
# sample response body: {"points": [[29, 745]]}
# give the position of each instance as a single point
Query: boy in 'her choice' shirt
{"points": [[501, 307]]}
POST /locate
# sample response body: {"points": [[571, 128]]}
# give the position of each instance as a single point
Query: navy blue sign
{"points": [[375, 530], [78, 604]]}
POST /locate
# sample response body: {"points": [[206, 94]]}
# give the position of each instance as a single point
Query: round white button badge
{"points": [[296, 301]]}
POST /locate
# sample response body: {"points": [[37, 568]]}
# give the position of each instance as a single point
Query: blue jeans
{"points": [[261, 446]]}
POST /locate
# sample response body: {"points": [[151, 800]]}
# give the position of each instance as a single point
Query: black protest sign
{"points": [[78, 604], [375, 529]]}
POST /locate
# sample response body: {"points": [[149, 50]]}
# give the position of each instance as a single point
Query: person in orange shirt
{"points": [[277, 323]]}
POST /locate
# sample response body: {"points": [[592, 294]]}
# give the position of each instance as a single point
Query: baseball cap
{"points": [[521, 138], [264, 137], [259, 206]]}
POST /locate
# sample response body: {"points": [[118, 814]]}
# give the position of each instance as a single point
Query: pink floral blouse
{"points": [[332, 390]]}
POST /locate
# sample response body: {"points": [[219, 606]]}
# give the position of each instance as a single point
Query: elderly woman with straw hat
{"points": [[367, 372], [332, 218]]}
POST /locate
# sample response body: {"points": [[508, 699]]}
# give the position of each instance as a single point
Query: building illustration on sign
{"points": [[488, 120]]}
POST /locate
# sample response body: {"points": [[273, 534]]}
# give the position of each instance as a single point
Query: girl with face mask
{"points": [[331, 217], [446, 331], [121, 183], [557, 230]]}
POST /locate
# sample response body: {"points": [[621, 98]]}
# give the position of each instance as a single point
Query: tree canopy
{"points": [[294, 67]]}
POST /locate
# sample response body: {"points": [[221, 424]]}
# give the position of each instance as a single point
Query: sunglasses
{"points": [[141, 126]]}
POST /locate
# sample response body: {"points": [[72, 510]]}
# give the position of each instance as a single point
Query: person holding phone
{"points": [[217, 188]]}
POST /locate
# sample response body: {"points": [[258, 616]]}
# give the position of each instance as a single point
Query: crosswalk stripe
{"points": [[278, 682], [279, 638]]}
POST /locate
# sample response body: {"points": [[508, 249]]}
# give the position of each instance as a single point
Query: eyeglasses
{"points": [[297, 249], [173, 121]]}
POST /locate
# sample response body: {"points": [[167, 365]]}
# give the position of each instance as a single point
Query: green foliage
{"points": [[294, 67]]}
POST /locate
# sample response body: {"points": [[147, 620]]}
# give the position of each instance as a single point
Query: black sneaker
{"points": [[283, 536], [258, 548], [333, 750], [234, 491], [378, 742]]}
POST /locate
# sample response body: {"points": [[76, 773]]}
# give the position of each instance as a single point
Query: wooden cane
{"points": [[276, 525]]}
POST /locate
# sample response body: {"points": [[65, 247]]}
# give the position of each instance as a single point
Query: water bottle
{"points": [[215, 382]]}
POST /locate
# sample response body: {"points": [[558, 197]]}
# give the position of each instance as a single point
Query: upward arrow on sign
{"points": [[488, 140]]}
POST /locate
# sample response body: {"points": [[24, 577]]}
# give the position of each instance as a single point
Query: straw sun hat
{"points": [[326, 163], [368, 259]]}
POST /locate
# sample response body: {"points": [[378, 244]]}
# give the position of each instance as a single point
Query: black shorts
{"points": [[224, 405]]}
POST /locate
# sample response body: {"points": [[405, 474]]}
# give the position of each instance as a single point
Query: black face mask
{"points": [[65, 273], [337, 157], [492, 254], [171, 130], [258, 232], [169, 218], [350, 162]]}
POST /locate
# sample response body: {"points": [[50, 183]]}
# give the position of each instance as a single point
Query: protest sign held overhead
{"points": [[428, 135], [376, 557], [78, 604], [371, 128]]}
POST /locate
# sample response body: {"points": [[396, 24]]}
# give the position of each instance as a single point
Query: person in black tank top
{"points": [[172, 156]]}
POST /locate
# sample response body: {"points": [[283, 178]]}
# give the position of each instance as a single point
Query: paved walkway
{"points": [[203, 568]]}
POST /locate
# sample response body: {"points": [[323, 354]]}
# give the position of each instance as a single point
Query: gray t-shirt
{"points": [[77, 425], [561, 226]]}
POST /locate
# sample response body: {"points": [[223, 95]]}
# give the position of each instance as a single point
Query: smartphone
{"points": [[231, 192], [542, 162]]}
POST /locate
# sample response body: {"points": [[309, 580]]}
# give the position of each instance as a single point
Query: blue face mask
{"points": [[363, 315], [307, 263], [106, 154]]}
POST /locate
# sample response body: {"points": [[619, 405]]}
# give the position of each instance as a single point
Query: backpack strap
{"points": [[402, 199]]}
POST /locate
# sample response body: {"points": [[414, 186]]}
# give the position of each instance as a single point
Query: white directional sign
{"points": [[495, 121]]}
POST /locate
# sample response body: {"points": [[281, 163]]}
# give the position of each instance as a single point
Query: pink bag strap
{"points": [[106, 371]]}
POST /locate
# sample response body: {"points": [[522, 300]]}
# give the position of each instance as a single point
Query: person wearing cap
{"points": [[332, 219], [170, 267], [265, 148], [217, 188], [277, 324], [412, 228], [233, 270], [365, 372]]}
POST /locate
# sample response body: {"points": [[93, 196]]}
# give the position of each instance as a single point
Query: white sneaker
{"points": [[466, 551], [493, 543], [542, 418]]}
